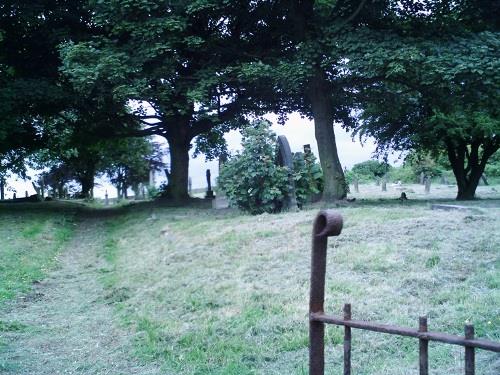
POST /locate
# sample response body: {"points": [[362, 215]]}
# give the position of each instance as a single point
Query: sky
{"points": [[299, 131]]}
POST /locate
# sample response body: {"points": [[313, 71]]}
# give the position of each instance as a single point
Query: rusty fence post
{"points": [[347, 340], [327, 223], [469, 351], [423, 347]]}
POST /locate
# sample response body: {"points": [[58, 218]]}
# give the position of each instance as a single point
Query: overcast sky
{"points": [[297, 130]]}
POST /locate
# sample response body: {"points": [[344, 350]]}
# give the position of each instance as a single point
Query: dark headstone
{"points": [[285, 159], [210, 193], [384, 184]]}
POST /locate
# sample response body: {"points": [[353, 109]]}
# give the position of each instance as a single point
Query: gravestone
{"points": [[26, 194], [284, 159], [106, 198], [210, 193], [356, 185], [384, 184], [427, 185], [220, 201]]}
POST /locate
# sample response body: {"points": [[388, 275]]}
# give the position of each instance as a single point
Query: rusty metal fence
{"points": [[328, 223]]}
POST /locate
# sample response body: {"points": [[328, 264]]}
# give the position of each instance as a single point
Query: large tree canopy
{"points": [[169, 63], [437, 94]]}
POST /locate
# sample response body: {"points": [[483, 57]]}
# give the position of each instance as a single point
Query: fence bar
{"points": [[423, 347], [347, 340], [327, 223], [470, 367], [401, 331]]}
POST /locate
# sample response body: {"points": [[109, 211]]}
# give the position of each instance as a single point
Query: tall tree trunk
{"points": [[2, 188], [319, 93], [179, 168], [87, 182]]}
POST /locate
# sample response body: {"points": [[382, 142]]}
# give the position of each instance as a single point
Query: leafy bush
{"points": [[367, 171], [251, 179], [493, 166], [308, 176]]}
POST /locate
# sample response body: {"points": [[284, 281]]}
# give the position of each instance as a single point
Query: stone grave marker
{"points": [[356, 185], [285, 159], [220, 201], [427, 185], [210, 193]]}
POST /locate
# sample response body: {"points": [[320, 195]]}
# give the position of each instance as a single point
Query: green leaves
{"points": [[251, 179]]}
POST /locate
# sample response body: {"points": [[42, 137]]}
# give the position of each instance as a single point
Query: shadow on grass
{"points": [[89, 210]]}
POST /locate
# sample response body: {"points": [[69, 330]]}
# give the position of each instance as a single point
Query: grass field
{"points": [[30, 243], [219, 292]]}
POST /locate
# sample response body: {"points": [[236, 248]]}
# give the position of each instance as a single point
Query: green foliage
{"points": [[436, 94], [404, 173], [369, 170], [424, 163], [493, 166], [251, 179], [307, 175], [127, 162]]}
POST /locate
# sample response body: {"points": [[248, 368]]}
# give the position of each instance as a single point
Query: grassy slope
{"points": [[223, 293], [30, 243]]}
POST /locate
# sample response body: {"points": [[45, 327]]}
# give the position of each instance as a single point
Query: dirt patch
{"points": [[68, 323]]}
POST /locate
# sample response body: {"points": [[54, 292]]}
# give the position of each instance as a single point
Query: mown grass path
{"points": [[65, 325]]}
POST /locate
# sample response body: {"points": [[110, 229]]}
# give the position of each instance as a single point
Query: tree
{"points": [[302, 62], [128, 161], [438, 95], [167, 62], [30, 81]]}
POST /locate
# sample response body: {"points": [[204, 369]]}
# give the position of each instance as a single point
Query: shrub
{"points": [[308, 176], [251, 179], [368, 171]]}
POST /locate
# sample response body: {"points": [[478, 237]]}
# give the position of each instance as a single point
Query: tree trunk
{"points": [[87, 182], [179, 168], [319, 94], [60, 191], [2, 189], [467, 166]]}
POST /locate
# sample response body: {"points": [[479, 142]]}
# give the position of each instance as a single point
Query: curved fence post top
{"points": [[327, 223]]}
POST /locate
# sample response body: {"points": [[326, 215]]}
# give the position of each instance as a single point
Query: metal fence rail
{"points": [[328, 223]]}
